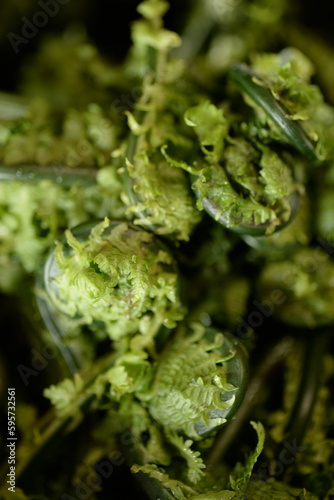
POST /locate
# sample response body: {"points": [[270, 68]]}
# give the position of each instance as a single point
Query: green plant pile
{"points": [[174, 250]]}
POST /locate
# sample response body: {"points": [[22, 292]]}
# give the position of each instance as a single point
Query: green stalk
{"points": [[254, 395], [292, 131], [196, 32], [136, 143], [307, 394], [53, 428], [48, 316], [64, 176]]}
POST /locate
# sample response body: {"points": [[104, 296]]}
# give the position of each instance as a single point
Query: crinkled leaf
{"points": [[123, 280], [211, 127], [239, 483], [62, 394]]}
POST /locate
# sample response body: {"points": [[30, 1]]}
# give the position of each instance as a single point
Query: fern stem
{"points": [[64, 176], [253, 396]]}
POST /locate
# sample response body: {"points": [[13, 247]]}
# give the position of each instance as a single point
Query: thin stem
{"points": [[64, 176], [305, 400], [293, 132], [307, 391], [253, 395], [49, 318], [196, 32], [52, 428], [145, 119], [309, 384]]}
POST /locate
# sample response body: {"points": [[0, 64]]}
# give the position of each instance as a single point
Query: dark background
{"points": [[107, 25]]}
